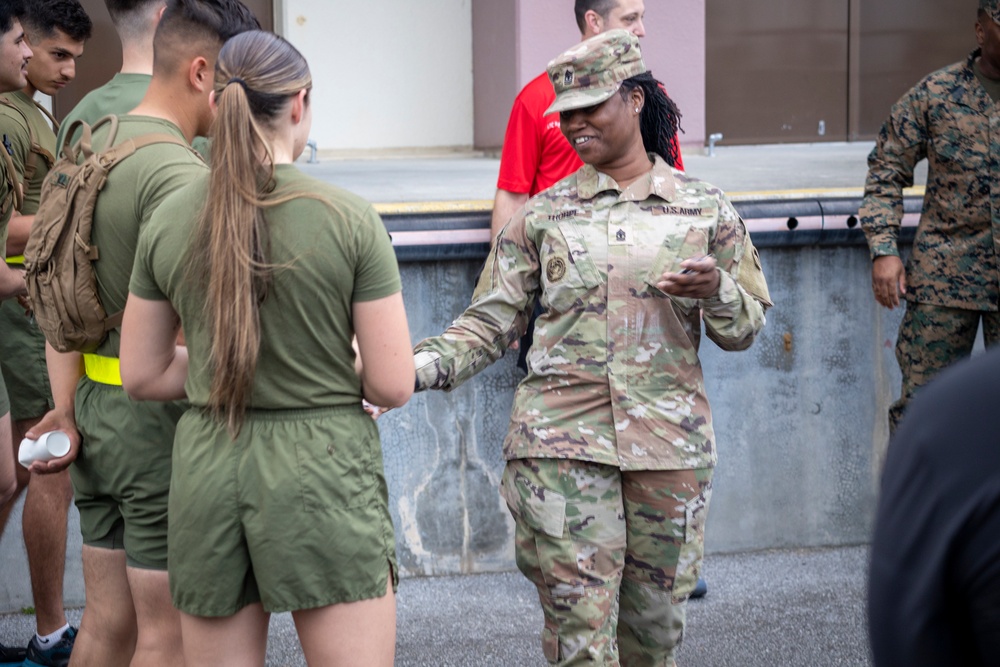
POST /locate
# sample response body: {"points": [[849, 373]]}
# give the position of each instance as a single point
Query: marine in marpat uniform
{"points": [[610, 449], [950, 281]]}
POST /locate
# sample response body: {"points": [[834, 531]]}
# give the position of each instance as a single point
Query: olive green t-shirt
{"points": [[335, 256], [20, 136], [133, 191], [118, 96], [992, 86]]}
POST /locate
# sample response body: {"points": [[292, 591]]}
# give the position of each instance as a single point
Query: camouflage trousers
{"points": [[931, 338], [614, 555]]}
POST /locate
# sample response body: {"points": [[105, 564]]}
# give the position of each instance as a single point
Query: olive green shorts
{"points": [[293, 514], [22, 362], [4, 400], [121, 479]]}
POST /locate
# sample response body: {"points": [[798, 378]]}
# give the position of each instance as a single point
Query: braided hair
{"points": [[660, 119]]}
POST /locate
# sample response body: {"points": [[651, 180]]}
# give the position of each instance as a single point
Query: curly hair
{"points": [[660, 119]]}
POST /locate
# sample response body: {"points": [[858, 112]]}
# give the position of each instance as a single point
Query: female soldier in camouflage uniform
{"points": [[610, 449]]}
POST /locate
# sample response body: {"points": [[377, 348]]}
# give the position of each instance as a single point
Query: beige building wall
{"points": [[387, 73], [519, 37]]}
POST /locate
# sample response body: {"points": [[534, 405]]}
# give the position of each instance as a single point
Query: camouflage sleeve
{"points": [[736, 314], [902, 143], [497, 316]]}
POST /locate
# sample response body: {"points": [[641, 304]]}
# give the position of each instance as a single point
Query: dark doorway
{"points": [[102, 56], [777, 70], [791, 71], [899, 47]]}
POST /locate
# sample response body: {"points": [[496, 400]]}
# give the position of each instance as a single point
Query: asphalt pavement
{"points": [[789, 608]]}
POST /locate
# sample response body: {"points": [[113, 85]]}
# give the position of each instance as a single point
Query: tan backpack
{"points": [[59, 256]]}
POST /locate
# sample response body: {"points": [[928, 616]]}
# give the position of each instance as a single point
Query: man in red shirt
{"points": [[535, 153]]}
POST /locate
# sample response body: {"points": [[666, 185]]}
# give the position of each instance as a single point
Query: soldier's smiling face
{"points": [[14, 56], [605, 134], [988, 37]]}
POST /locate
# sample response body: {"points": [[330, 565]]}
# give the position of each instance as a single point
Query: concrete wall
{"points": [[800, 422], [387, 74]]}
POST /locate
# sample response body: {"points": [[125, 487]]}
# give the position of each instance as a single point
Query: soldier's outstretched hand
{"points": [[888, 280]]}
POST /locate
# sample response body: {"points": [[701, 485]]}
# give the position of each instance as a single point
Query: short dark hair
{"points": [[129, 13], [44, 17], [602, 7], [10, 11], [206, 24]]}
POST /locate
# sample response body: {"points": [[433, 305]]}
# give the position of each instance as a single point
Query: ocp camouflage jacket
{"points": [[614, 375]]}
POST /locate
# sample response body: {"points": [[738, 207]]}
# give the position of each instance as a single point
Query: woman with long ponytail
{"points": [[278, 500]]}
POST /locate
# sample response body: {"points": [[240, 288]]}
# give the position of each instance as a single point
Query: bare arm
{"points": [[11, 282], [505, 205], [17, 233], [154, 367], [387, 372], [65, 371]]}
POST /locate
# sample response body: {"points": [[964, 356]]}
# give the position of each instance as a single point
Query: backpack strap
{"points": [[16, 197], [47, 114], [112, 156], [84, 145], [35, 147]]}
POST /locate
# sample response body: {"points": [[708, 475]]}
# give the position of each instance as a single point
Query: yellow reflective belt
{"points": [[16, 260], [105, 370]]}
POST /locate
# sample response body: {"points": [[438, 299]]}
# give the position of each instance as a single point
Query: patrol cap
{"points": [[991, 7], [593, 70]]}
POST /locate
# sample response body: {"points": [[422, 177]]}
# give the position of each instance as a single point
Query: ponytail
{"points": [[256, 75]]}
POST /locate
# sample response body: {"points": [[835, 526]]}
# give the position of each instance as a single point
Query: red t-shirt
{"points": [[535, 153]]}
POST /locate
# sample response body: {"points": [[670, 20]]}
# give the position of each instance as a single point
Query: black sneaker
{"points": [[56, 655], [11, 656]]}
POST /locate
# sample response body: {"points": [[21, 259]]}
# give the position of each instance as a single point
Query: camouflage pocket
{"points": [[542, 509], [695, 512], [693, 548], [751, 277], [676, 249], [567, 269]]}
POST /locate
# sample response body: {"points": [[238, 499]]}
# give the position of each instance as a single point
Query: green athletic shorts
{"points": [[121, 478], [22, 362], [294, 513]]}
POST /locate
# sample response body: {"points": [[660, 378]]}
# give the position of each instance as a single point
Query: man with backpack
{"points": [[121, 479], [56, 31], [14, 56]]}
